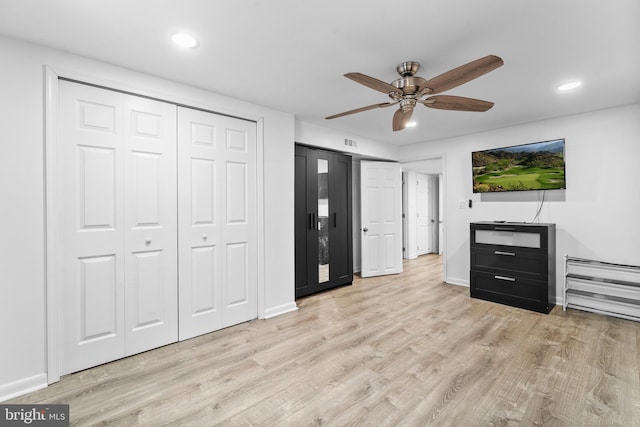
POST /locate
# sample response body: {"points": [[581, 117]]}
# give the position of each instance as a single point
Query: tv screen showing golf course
{"points": [[536, 166]]}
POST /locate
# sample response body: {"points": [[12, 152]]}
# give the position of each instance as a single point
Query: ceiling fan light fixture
{"points": [[184, 40], [569, 86], [408, 90]]}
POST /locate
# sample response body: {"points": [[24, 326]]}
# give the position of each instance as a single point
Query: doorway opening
{"points": [[423, 208]]}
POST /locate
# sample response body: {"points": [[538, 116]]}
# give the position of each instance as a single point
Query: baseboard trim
{"points": [[458, 282], [23, 386], [281, 309]]}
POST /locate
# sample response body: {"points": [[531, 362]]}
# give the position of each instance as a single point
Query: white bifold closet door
{"points": [[217, 221], [116, 158]]}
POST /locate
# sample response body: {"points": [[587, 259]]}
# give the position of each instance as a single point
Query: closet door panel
{"points": [[204, 269], [98, 285], [238, 179], [217, 214], [199, 231], [151, 224], [236, 281], [96, 201], [203, 190], [90, 155], [204, 297], [145, 298]]}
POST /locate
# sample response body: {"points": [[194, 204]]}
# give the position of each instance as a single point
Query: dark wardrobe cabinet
{"points": [[324, 242]]}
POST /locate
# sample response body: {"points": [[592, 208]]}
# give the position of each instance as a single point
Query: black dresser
{"points": [[514, 264]]}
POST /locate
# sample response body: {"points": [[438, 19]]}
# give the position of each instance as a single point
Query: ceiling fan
{"points": [[408, 90]]}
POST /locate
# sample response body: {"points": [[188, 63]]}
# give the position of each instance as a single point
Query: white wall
{"points": [[22, 187], [427, 166], [596, 217], [320, 136]]}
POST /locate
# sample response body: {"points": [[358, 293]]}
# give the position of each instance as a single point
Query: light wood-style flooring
{"points": [[402, 350]]}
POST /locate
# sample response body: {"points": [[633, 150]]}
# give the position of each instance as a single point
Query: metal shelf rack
{"points": [[602, 287]]}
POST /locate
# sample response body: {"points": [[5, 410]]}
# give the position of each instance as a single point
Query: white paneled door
{"points": [[423, 217], [217, 221], [118, 229], [381, 218], [150, 219]]}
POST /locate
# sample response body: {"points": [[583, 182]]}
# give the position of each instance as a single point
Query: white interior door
{"points": [[423, 217], [217, 221], [118, 289], [405, 209], [440, 215], [150, 206], [433, 213], [91, 227], [381, 218]]}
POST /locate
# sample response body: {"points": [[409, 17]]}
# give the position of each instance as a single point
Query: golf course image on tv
{"points": [[536, 166]]}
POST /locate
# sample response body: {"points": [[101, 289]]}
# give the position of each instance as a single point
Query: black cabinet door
{"points": [[341, 238], [306, 275]]}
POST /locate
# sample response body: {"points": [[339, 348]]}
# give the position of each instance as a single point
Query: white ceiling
{"points": [[290, 55]]}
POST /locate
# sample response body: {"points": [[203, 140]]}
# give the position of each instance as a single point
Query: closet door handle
{"points": [[335, 219]]}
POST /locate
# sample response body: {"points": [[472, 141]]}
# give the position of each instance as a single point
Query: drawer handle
{"points": [[504, 253], [508, 279]]}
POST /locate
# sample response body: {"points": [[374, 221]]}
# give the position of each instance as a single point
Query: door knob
{"points": [[365, 229], [204, 237], [147, 241]]}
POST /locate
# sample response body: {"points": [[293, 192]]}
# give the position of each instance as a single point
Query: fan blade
{"points": [[458, 103], [463, 74], [401, 118], [371, 82], [361, 109]]}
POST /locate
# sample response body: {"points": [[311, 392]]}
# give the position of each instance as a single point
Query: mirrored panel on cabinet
{"points": [[323, 220]]}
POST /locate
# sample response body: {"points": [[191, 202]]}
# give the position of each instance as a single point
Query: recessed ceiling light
{"points": [[411, 124], [184, 40], [569, 86]]}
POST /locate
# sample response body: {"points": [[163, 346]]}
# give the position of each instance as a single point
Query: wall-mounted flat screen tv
{"points": [[536, 166]]}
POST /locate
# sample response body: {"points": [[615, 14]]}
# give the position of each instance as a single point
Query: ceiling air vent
{"points": [[350, 142]]}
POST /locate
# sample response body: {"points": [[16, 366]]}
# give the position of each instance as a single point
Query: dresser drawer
{"points": [[506, 289], [532, 265]]}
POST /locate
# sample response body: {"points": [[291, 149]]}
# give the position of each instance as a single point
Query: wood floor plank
{"points": [[398, 350]]}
